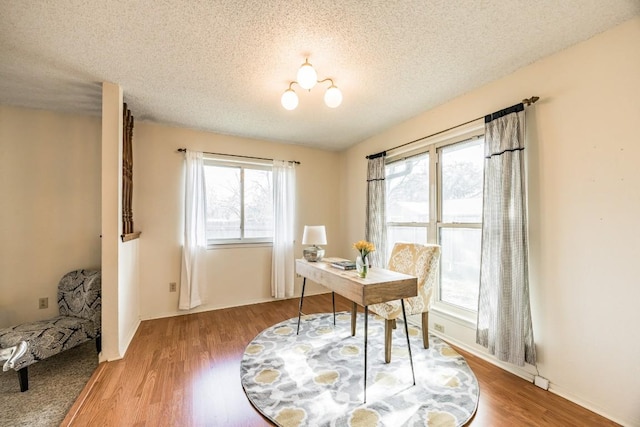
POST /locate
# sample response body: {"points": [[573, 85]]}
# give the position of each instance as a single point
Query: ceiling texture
{"points": [[222, 65]]}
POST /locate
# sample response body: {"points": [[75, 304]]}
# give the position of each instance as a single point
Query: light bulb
{"points": [[333, 97], [307, 76], [289, 99]]}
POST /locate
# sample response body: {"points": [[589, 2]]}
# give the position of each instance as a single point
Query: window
{"points": [[434, 195], [239, 202], [460, 227], [407, 193]]}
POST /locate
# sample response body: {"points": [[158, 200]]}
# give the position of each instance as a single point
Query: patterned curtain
{"points": [[504, 313], [282, 267], [375, 230]]}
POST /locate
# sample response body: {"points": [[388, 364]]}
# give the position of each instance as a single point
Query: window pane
{"points": [[399, 233], [223, 202], [462, 180], [258, 204], [407, 197], [460, 266]]}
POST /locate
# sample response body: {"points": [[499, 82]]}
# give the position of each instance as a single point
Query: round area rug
{"points": [[316, 378]]}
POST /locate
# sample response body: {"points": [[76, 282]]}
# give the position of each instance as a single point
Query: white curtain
{"points": [[376, 227], [192, 277], [504, 313], [282, 260]]}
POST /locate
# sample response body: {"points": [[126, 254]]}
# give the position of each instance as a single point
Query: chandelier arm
{"points": [[327, 80]]}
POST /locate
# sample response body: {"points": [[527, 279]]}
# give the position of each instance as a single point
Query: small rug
{"points": [[316, 378], [54, 385]]}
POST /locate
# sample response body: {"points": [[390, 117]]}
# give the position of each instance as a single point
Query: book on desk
{"points": [[344, 265]]}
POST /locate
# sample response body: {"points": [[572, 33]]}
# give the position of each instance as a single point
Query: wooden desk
{"points": [[380, 285]]}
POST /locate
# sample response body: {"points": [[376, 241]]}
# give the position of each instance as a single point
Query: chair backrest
{"points": [[79, 295], [417, 260]]}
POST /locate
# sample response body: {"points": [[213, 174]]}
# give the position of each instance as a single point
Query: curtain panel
{"points": [[192, 276], [504, 314], [282, 259], [375, 229]]}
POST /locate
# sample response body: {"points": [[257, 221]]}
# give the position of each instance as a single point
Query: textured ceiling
{"points": [[222, 65]]}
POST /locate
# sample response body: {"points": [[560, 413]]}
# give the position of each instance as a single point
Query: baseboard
{"points": [[205, 308], [555, 389], [515, 370], [528, 376]]}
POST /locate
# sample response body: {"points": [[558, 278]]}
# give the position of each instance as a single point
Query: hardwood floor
{"points": [[185, 371]]}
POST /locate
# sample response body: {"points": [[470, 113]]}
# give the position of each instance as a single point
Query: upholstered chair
{"points": [[79, 320], [417, 260]]}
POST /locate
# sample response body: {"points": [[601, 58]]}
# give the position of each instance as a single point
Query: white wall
{"points": [[584, 204], [49, 209], [128, 293], [120, 273], [236, 276]]}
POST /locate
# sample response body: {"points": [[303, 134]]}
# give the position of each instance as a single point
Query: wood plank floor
{"points": [[185, 371]]}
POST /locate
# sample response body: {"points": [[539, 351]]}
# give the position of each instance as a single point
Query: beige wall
{"points": [[236, 276], [584, 202], [49, 207]]}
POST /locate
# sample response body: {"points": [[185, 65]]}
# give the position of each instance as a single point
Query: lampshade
{"points": [[307, 76], [333, 97], [314, 235], [289, 99]]}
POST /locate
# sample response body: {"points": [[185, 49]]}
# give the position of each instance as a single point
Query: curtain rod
{"points": [[182, 150], [526, 101]]}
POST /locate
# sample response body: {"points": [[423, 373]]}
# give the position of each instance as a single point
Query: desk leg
{"points": [[354, 314], [333, 300], [406, 331], [304, 282], [366, 332]]}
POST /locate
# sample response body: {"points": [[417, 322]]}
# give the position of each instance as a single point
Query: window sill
{"points": [[466, 319], [217, 246]]}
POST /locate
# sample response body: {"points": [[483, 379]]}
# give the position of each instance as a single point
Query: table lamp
{"points": [[314, 235]]}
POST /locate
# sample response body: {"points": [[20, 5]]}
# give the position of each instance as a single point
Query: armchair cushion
{"points": [[46, 338]]}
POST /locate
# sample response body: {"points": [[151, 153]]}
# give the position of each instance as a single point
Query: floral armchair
{"points": [[417, 260], [79, 320]]}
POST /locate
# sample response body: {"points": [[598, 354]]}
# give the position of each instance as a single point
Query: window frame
{"points": [[433, 145], [242, 164]]}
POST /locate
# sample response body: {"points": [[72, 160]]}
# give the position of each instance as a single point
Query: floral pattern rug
{"points": [[316, 378]]}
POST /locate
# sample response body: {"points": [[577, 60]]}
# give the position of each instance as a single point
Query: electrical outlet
{"points": [[541, 382], [43, 303], [172, 287], [438, 327]]}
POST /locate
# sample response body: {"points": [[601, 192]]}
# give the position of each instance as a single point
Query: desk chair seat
{"points": [[417, 260]]}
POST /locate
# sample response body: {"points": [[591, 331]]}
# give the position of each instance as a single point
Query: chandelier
{"points": [[307, 78]]}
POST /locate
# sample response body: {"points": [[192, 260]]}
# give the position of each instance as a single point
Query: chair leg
{"points": [[99, 344], [354, 315], [23, 378], [425, 329], [393, 323], [388, 329]]}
